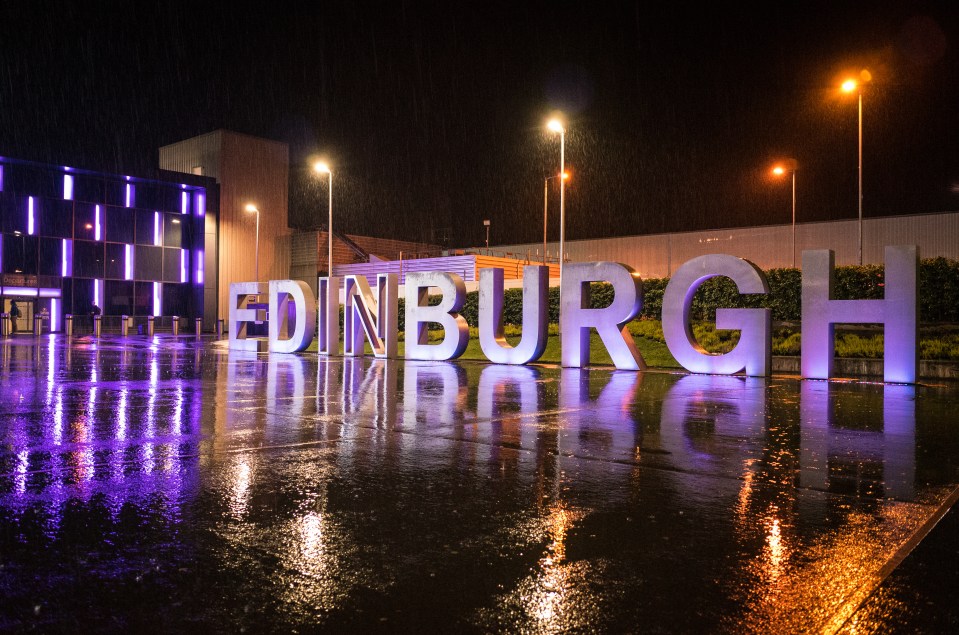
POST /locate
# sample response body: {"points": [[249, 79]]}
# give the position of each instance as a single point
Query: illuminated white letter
{"points": [[418, 315], [241, 295], [535, 316], [304, 319], [358, 319], [576, 318], [328, 307], [754, 350], [896, 312]]}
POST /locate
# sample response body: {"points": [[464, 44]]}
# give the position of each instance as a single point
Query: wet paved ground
{"points": [[170, 485]]}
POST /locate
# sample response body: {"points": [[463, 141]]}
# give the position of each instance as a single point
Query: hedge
{"points": [[938, 294]]}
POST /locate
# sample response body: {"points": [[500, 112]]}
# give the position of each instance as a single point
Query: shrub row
{"points": [[938, 294]]}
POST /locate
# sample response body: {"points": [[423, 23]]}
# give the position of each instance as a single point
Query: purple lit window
{"points": [[54, 315], [129, 194], [183, 275], [156, 229], [96, 223], [157, 308], [128, 262], [66, 264], [184, 202], [200, 200], [30, 222]]}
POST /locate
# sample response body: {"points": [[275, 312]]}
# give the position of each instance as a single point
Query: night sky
{"points": [[432, 114]]}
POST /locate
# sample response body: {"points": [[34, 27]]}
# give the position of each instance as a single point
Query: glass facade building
{"points": [[72, 239]]}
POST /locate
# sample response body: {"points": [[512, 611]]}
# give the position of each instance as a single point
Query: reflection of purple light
{"points": [[30, 226], [128, 262], [67, 187]]}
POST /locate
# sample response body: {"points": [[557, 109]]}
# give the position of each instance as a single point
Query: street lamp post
{"points": [[556, 126], [546, 206], [250, 207], [779, 170], [323, 168], [486, 224], [848, 86]]}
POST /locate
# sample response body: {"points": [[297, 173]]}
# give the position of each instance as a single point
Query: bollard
{"points": [[199, 326], [219, 329], [150, 320], [37, 324], [68, 324], [176, 324], [97, 322], [124, 325], [4, 324]]}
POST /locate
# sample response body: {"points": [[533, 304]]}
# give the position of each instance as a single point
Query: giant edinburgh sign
{"points": [[371, 315]]}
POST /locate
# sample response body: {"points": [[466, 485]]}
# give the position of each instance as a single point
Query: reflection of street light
{"points": [[250, 207], [556, 126], [545, 206], [790, 166], [849, 86], [486, 224], [321, 167]]}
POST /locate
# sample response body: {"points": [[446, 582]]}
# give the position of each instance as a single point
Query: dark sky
{"points": [[432, 113]]}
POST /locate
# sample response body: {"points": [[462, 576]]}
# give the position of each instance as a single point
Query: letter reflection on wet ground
{"points": [[169, 484]]}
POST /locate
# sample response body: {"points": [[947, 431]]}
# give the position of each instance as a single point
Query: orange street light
{"points": [[778, 170], [545, 206]]}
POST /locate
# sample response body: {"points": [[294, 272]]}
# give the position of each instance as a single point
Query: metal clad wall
{"points": [[769, 247], [249, 170]]}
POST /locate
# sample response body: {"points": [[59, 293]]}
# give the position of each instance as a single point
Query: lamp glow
{"points": [[321, 167]]}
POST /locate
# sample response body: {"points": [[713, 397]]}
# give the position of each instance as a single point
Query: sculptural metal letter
{"points": [[576, 318], [242, 294], [305, 317], [358, 318], [754, 350], [896, 312], [328, 307], [419, 315], [535, 316]]}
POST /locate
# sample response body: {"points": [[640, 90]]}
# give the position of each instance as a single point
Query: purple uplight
{"points": [[183, 268], [199, 267], [156, 229], [129, 194], [96, 223], [184, 202], [66, 263], [68, 187]]}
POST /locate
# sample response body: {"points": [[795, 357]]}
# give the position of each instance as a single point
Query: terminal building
{"points": [[74, 239]]}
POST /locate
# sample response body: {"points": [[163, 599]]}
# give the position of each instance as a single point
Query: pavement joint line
{"points": [[898, 556]]}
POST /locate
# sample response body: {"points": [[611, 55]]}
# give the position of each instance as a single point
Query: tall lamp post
{"points": [[250, 207], [849, 86], [546, 206], [778, 170], [556, 126], [486, 224], [321, 167]]}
